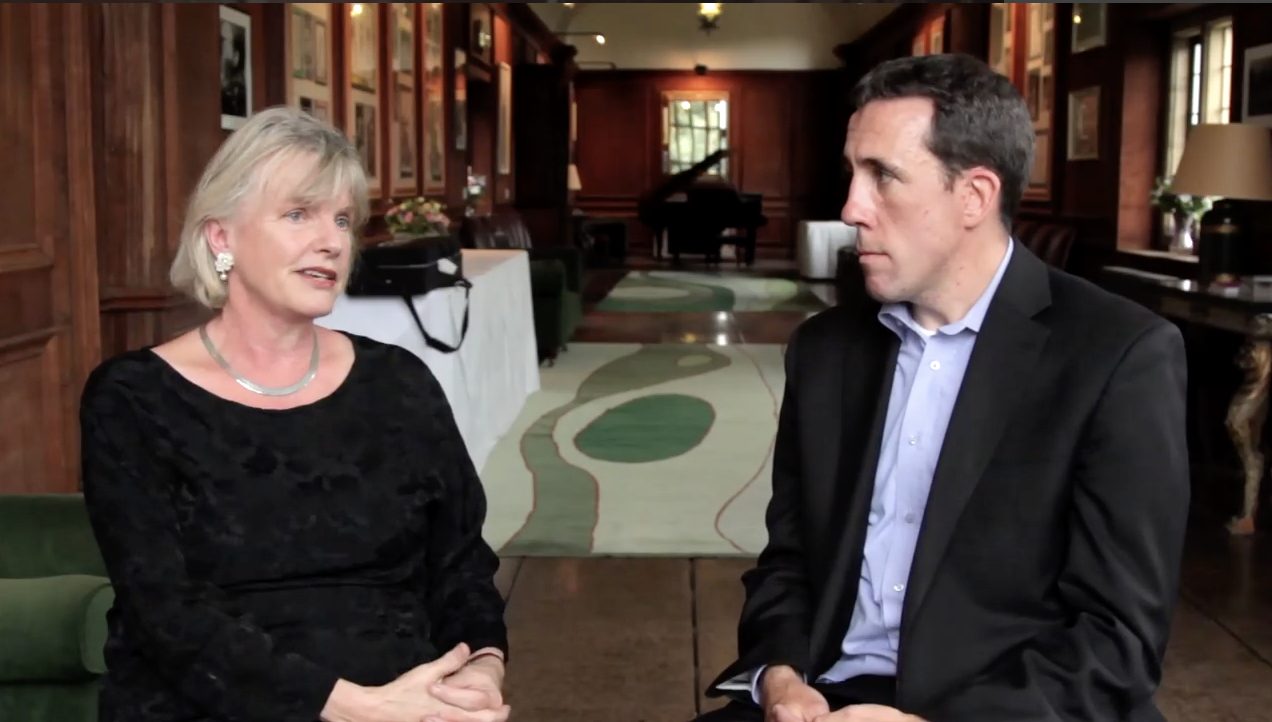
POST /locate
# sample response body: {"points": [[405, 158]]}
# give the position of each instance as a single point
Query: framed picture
{"points": [[1035, 19], [1089, 21], [1256, 94], [503, 153], [1040, 174], [404, 174], [1084, 124], [364, 46], [403, 39], [364, 123], [236, 65], [433, 99], [308, 48], [308, 43], [364, 136], [461, 100], [482, 42], [320, 52]]}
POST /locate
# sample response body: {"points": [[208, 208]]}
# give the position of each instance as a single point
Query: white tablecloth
{"points": [[819, 244], [489, 378]]}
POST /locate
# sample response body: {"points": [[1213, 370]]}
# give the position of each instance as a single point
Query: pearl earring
{"points": [[224, 262]]}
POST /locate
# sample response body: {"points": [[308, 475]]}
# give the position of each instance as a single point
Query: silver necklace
{"points": [[253, 386]]}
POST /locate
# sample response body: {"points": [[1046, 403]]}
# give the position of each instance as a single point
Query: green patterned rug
{"points": [[629, 449], [674, 291]]}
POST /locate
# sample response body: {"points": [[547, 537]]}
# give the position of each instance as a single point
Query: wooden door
{"points": [[48, 265]]}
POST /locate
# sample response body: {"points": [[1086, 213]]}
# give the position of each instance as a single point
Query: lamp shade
{"points": [[1232, 160], [572, 181]]}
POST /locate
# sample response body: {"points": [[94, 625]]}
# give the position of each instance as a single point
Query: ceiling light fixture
{"points": [[708, 15]]}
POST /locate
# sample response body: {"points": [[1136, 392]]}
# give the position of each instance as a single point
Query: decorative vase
{"points": [[1182, 239]]}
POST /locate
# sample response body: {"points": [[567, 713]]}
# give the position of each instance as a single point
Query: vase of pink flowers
{"points": [[416, 217]]}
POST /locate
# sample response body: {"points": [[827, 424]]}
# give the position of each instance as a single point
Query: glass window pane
{"points": [[699, 114]]}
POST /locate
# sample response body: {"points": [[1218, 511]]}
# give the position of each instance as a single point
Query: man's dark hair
{"points": [[980, 119]]}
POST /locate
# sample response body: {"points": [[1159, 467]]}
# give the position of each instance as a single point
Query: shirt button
{"points": [[914, 440], [898, 588], [935, 365], [909, 518]]}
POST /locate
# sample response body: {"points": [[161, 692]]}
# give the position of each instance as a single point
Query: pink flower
{"points": [[407, 217]]}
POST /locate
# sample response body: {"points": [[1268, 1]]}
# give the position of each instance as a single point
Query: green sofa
{"points": [[54, 596]]}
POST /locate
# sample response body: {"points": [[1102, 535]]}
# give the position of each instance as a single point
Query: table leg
{"points": [[1246, 414]]}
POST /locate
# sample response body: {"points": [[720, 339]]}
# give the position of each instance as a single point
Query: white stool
{"points": [[819, 244]]}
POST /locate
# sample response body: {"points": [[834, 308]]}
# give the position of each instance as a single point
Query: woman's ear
{"points": [[982, 191], [217, 235]]}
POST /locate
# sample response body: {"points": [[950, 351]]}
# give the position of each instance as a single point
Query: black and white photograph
{"points": [[236, 59], [1257, 90]]}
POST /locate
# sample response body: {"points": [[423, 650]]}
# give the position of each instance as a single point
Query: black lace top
{"points": [[260, 555]]}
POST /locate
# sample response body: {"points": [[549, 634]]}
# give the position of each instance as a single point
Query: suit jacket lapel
{"points": [[1005, 355], [868, 364]]}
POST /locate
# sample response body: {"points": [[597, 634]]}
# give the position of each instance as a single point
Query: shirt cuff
{"points": [[746, 682], [487, 652]]}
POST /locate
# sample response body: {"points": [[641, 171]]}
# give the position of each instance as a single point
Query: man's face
{"points": [[910, 220]]}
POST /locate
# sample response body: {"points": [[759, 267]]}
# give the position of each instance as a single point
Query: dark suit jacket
{"points": [[1047, 565]]}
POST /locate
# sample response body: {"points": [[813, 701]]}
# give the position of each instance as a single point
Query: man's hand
{"points": [[868, 713], [476, 687], [787, 698]]}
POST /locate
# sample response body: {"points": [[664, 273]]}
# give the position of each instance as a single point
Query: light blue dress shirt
{"points": [[926, 381], [929, 372]]}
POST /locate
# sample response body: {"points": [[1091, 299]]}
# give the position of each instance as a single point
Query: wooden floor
{"points": [[638, 639]]}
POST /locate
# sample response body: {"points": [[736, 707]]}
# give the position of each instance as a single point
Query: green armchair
{"points": [[54, 595], [556, 276]]}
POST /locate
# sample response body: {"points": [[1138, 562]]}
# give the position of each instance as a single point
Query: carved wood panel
{"points": [[48, 285]]}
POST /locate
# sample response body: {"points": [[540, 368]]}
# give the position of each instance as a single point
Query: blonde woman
{"points": [[289, 516]]}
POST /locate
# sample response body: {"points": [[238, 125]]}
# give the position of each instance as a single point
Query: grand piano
{"points": [[692, 214]]}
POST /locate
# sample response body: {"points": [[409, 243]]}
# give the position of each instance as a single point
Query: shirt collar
{"points": [[896, 316]]}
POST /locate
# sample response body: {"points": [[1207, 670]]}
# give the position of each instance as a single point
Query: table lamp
{"points": [[1232, 161]]}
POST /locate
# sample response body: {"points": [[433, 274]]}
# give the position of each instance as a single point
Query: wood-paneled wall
{"points": [[108, 114], [155, 125], [48, 259], [785, 142]]}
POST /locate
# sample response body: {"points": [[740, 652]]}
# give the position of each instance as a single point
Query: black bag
{"points": [[408, 268], [413, 268]]}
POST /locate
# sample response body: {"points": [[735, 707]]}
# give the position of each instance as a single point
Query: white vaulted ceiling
{"points": [[751, 36]]}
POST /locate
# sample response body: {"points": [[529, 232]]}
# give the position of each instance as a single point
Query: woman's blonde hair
{"points": [[241, 167]]}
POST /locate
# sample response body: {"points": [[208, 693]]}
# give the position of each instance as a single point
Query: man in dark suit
{"points": [[980, 480]]}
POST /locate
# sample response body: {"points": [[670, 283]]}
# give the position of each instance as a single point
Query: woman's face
{"points": [[291, 254]]}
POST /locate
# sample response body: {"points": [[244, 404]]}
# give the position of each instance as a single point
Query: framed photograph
{"points": [[320, 52], [1256, 93], [1036, 41], [1089, 20], [433, 98], [303, 44], [236, 68], [404, 145], [364, 136], [1084, 124], [1040, 174], [364, 46], [482, 42], [503, 153], [403, 39], [461, 100]]}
